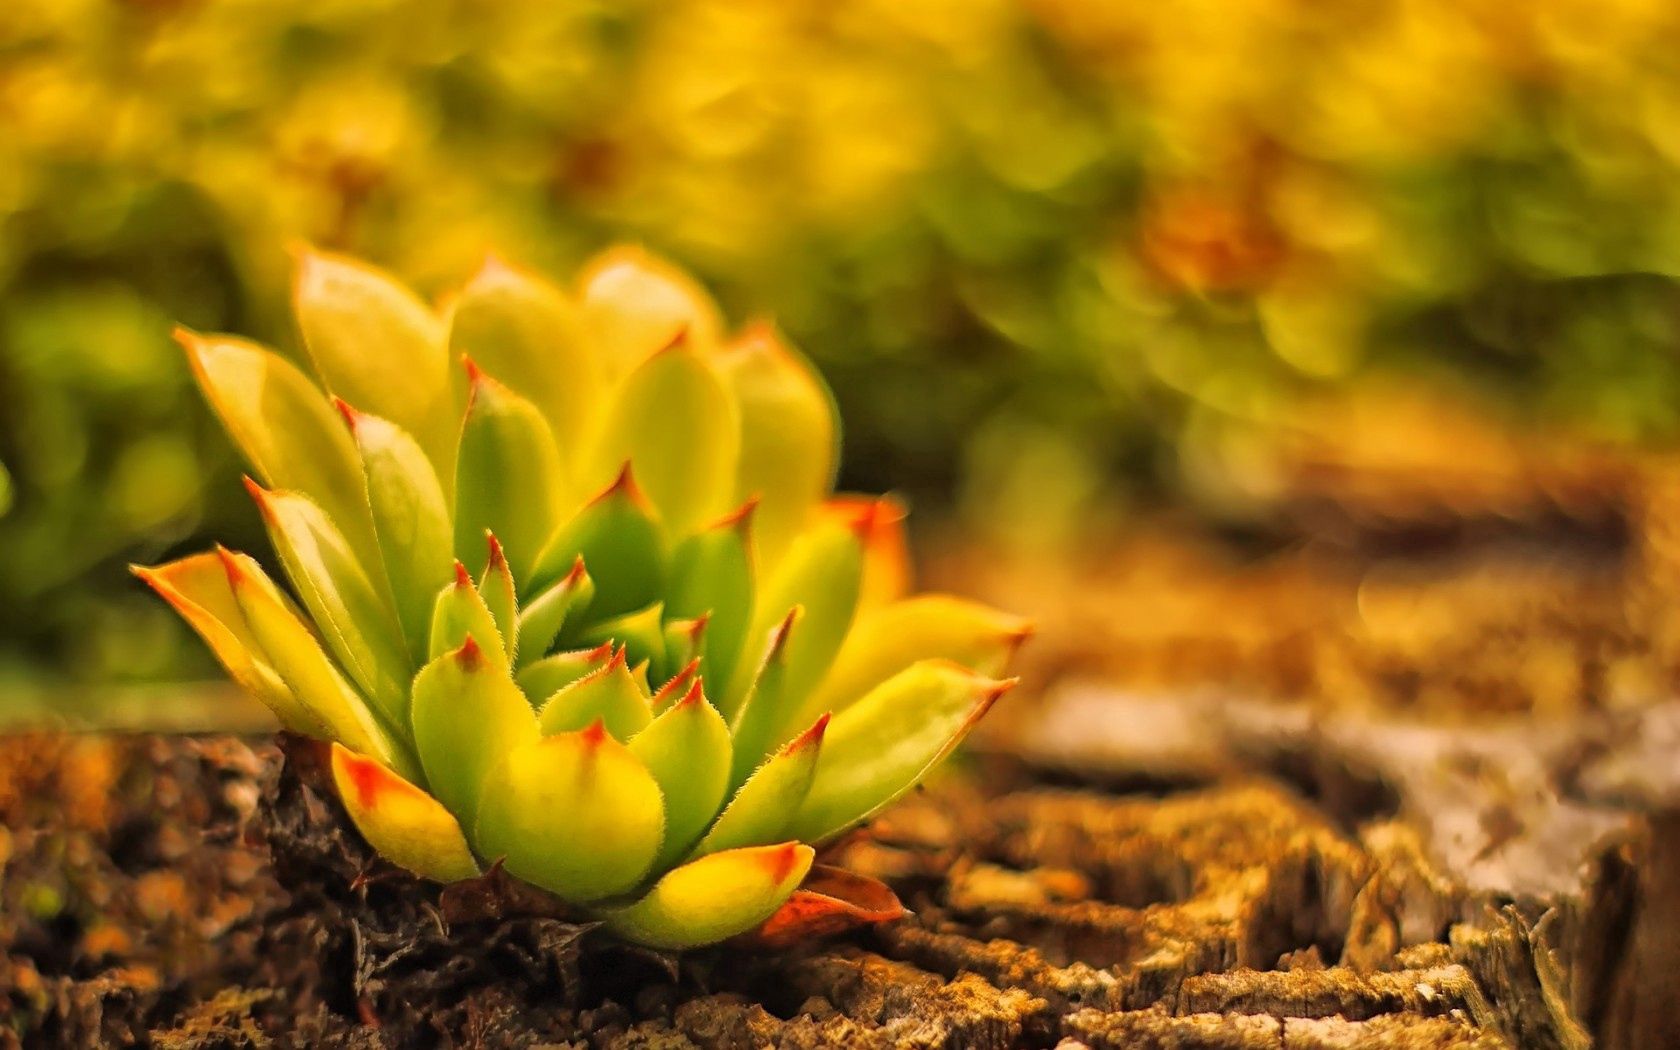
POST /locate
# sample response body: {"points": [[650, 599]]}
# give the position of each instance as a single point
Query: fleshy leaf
{"points": [[641, 633], [408, 827], [375, 344], [525, 332], [410, 518], [929, 626], [676, 423], [468, 715], [713, 898], [712, 575], [553, 673], [285, 428], [197, 588], [675, 688], [610, 695], [762, 809], [574, 813], [821, 573], [508, 477], [884, 744], [768, 706], [634, 303], [461, 613], [543, 617], [685, 640], [618, 537], [355, 619], [790, 434], [831, 900], [879, 521], [496, 586], [295, 655], [687, 750]]}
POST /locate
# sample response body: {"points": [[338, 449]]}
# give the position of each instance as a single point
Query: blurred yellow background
{"points": [[1060, 260]]}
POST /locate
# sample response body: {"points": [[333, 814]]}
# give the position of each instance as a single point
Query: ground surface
{"points": [[1241, 913]]}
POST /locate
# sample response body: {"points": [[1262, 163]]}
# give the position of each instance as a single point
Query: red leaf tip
{"points": [[463, 578], [739, 518], [811, 737], [779, 634], [694, 697], [678, 683], [620, 657], [577, 574], [594, 734], [236, 574], [470, 656], [498, 559], [624, 486], [678, 340], [601, 652], [779, 861], [351, 416]]}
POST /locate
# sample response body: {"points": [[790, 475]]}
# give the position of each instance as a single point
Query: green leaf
{"points": [[468, 715], [884, 744], [461, 613], [574, 813], [526, 333], [821, 574], [929, 626], [407, 827], [551, 674], [763, 807], [496, 586], [544, 616], [356, 621], [285, 428], [618, 537], [410, 518], [635, 303], [768, 706], [713, 898], [197, 588], [675, 687], [508, 478], [641, 633], [288, 646], [790, 434], [611, 695], [687, 750], [712, 575], [685, 641], [376, 345], [677, 424]]}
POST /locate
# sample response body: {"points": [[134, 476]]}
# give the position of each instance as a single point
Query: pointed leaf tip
{"points": [[780, 861], [696, 693], [739, 518], [258, 494], [350, 415], [595, 733], [678, 340], [811, 737], [470, 656], [679, 683], [463, 578], [498, 559]]}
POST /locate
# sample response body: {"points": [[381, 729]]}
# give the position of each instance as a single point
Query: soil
{"points": [[142, 907]]}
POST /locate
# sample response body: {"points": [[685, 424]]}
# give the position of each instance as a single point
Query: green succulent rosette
{"points": [[570, 591]]}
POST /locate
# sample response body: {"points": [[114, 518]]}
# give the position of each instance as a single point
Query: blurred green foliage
{"points": [[1052, 254]]}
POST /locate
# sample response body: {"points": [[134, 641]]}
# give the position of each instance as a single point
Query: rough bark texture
{"points": [[1084, 905]]}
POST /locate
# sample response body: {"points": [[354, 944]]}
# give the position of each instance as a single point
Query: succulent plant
{"points": [[583, 604]]}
